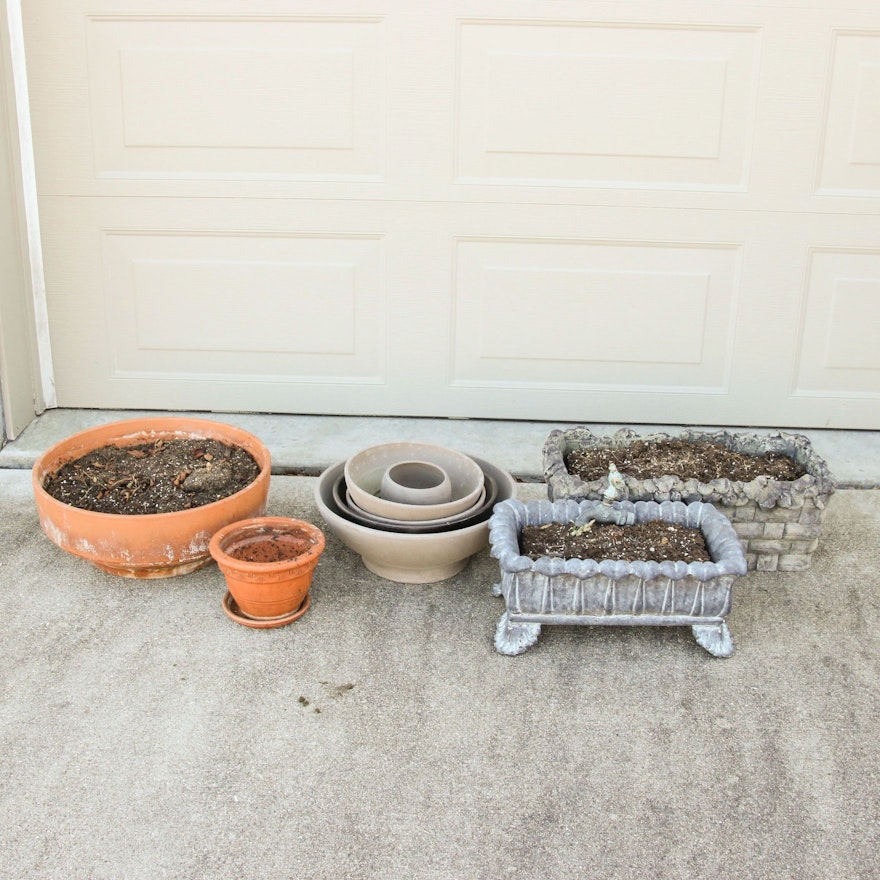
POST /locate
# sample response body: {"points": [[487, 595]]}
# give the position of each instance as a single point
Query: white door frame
{"points": [[27, 385]]}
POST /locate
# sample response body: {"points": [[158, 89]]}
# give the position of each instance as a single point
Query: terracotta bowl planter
{"points": [[148, 545], [268, 563]]}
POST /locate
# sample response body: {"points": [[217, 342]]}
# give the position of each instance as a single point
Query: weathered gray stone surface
{"points": [[816, 484], [756, 508], [620, 592]]}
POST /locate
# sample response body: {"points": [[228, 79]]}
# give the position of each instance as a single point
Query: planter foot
{"points": [[715, 638], [515, 638], [496, 589]]}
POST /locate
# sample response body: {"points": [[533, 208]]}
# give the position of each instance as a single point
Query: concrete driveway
{"points": [[145, 735]]}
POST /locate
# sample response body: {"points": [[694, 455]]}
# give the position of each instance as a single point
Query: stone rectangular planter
{"points": [[779, 522], [614, 592]]}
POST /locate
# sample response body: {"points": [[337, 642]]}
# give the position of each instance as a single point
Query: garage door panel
{"points": [[631, 211], [850, 162], [837, 351], [594, 314], [297, 308], [611, 105], [232, 98]]}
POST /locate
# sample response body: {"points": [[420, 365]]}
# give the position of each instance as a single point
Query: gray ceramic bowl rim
{"points": [[464, 495], [324, 487], [472, 516]]}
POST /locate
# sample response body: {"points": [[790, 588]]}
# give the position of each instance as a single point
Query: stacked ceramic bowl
{"points": [[414, 512]]}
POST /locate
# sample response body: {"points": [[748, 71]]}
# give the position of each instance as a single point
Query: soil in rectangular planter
{"points": [[652, 541], [161, 477], [703, 461]]}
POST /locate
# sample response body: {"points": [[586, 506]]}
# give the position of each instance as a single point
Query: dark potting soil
{"points": [[703, 461], [161, 477], [653, 541]]}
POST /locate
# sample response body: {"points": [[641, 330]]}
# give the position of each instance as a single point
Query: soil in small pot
{"points": [[703, 461], [269, 548], [652, 541], [165, 476]]}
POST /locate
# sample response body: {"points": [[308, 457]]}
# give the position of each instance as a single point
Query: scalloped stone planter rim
{"points": [[778, 521], [150, 545], [614, 592]]}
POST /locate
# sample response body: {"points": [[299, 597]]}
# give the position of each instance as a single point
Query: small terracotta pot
{"points": [[268, 563], [148, 545]]}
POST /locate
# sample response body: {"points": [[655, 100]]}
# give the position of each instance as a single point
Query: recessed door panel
{"points": [[237, 98], [593, 314], [584, 104]]}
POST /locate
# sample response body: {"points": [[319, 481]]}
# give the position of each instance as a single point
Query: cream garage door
{"points": [[648, 212]]}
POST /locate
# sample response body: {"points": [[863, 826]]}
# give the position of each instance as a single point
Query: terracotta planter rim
{"points": [[277, 523], [52, 460]]}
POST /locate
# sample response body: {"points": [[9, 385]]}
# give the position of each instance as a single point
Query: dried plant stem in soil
{"points": [[652, 541]]}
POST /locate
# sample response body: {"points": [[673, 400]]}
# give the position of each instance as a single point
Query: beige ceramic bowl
{"points": [[409, 558], [351, 511], [364, 472]]}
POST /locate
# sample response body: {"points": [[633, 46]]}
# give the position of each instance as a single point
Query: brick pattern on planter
{"points": [[778, 522], [778, 538]]}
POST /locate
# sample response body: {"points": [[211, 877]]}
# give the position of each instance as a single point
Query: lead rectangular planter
{"points": [[778, 521], [614, 592]]}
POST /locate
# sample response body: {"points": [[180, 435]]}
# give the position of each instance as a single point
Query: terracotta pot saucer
{"points": [[233, 612]]}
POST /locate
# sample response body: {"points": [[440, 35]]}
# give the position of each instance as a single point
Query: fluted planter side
{"points": [[614, 592]]}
